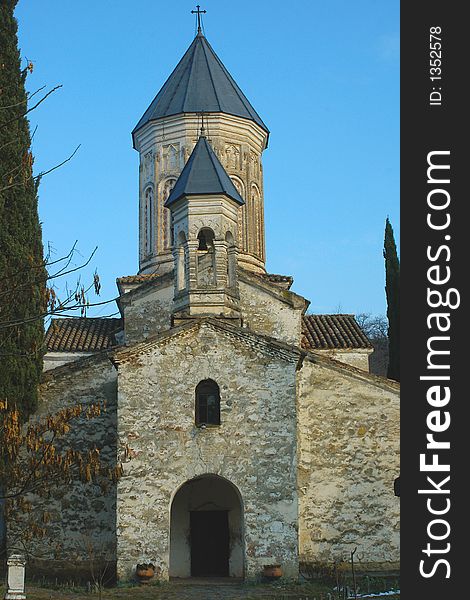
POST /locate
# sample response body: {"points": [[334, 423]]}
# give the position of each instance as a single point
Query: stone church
{"points": [[250, 432]]}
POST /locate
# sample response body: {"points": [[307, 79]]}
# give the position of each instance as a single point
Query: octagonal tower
{"points": [[199, 89]]}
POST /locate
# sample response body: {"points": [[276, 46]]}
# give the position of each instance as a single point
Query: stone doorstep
{"points": [[189, 581]]}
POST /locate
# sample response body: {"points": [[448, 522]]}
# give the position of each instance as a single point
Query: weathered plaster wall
{"points": [[355, 358], [81, 516], [58, 359], [348, 460], [254, 448], [148, 312], [267, 314]]}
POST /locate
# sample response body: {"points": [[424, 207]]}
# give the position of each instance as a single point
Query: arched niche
{"points": [[171, 157], [167, 229], [206, 529], [256, 218], [181, 261], [148, 220], [231, 259], [242, 224]]}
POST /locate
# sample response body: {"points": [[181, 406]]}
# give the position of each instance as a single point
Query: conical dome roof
{"points": [[200, 83], [203, 174]]}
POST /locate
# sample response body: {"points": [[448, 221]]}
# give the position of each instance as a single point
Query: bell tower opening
{"points": [[206, 258]]}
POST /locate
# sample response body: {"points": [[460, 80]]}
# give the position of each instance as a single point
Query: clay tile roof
{"points": [[82, 334], [324, 332], [137, 278]]}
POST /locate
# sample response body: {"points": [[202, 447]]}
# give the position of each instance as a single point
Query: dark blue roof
{"points": [[203, 175], [200, 83]]}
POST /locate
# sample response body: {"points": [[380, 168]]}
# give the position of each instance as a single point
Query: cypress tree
{"points": [[392, 291], [22, 271]]}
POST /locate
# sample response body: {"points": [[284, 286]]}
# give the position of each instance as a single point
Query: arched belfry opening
{"points": [[206, 529], [206, 276]]}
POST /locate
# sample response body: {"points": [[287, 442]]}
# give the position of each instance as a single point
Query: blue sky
{"points": [[324, 76]]}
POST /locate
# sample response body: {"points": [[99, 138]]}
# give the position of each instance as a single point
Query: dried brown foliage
{"points": [[37, 457]]}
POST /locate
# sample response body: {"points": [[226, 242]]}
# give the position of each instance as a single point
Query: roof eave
{"points": [[140, 125], [183, 195]]}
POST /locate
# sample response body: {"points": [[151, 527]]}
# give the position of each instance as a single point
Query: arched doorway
{"points": [[206, 529]]}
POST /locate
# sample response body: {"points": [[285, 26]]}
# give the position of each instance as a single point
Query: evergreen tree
{"points": [[22, 271], [392, 290]]}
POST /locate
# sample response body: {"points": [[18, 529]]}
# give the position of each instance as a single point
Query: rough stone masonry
{"points": [[249, 433]]}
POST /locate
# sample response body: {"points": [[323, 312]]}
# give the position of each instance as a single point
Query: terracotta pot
{"points": [[145, 572], [272, 571]]}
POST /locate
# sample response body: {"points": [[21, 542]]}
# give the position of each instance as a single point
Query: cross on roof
{"points": [[203, 130], [198, 12]]}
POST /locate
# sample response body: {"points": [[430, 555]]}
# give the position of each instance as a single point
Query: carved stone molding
{"points": [[232, 156], [147, 166]]}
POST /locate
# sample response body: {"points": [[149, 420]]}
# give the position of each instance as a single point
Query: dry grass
{"points": [[170, 591], [184, 591]]}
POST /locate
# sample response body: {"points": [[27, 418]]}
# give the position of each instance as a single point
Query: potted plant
{"points": [[144, 572], [272, 571]]}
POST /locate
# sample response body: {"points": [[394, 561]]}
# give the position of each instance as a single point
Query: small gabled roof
{"points": [[82, 334], [200, 83], [333, 332], [203, 174]]}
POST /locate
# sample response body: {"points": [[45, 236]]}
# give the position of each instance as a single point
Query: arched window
{"points": [[167, 228], [207, 403], [238, 183], [181, 262], [148, 216], [256, 219]]}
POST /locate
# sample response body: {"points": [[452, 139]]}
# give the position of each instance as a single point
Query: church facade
{"points": [[249, 432]]}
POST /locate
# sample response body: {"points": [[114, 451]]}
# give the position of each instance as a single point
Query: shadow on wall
{"points": [[378, 360]]}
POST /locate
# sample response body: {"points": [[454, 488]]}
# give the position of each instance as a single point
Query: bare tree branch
{"points": [[41, 175], [16, 118]]}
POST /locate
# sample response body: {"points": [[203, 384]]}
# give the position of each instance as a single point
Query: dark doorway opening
{"points": [[209, 543]]}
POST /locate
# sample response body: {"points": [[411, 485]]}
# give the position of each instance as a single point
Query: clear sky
{"points": [[324, 77]]}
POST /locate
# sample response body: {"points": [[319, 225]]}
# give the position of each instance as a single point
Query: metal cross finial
{"points": [[203, 130], [198, 12]]}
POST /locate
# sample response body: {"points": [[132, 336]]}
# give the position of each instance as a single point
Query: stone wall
{"points": [[79, 519], [303, 461], [348, 441], [148, 311], [265, 309], [357, 357], [52, 360], [271, 313], [254, 448]]}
